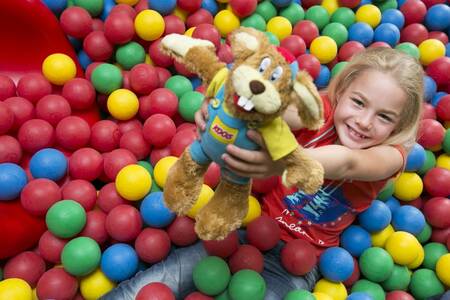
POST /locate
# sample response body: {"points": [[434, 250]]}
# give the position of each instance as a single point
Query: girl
{"points": [[372, 114]]}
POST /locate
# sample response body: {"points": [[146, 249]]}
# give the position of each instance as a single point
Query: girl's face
{"points": [[368, 110]]}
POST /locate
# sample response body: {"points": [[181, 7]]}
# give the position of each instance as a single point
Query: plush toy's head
{"points": [[262, 82]]}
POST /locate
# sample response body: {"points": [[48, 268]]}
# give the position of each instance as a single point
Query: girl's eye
{"points": [[357, 102], [386, 118], [265, 63], [276, 73]]}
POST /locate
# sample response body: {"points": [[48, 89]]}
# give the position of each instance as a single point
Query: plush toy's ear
{"points": [[246, 41], [308, 101]]}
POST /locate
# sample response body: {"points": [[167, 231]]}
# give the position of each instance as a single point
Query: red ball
{"points": [[189, 5], [212, 175], [223, 248], [85, 163], [308, 3], [163, 75], [108, 198], [134, 142], [243, 8], [6, 118], [436, 182], [53, 108], [10, 150], [22, 109], [143, 78], [35, 135], [95, 226], [263, 233], [197, 296], [105, 136], [431, 133], [97, 25], [295, 44], [438, 35], [181, 231], [181, 69], [116, 160], [439, 70], [7, 87], [157, 57], [27, 265], [430, 3], [159, 130], [440, 235], [119, 28], [417, 203], [50, 247], [123, 223], [379, 44], [428, 111], [307, 30], [355, 275], [39, 195], [97, 46], [399, 295], [73, 133], [298, 257], [207, 32], [181, 140], [443, 108], [158, 153], [414, 33], [349, 3], [57, 284], [436, 211], [348, 49], [160, 101], [225, 55], [129, 125], [33, 87], [309, 63], [123, 9], [263, 186], [152, 245], [90, 69], [155, 291], [246, 257], [81, 191], [173, 24], [201, 16], [76, 21], [414, 11], [80, 93]]}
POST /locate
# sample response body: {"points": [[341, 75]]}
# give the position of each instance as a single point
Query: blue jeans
{"points": [[176, 272]]}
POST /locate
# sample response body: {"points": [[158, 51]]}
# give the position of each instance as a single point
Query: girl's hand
{"points": [[201, 116], [254, 164]]}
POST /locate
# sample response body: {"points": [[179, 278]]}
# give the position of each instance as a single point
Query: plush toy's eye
{"points": [[265, 63], [276, 73]]}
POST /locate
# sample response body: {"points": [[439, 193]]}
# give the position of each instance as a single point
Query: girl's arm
{"points": [[291, 117]]}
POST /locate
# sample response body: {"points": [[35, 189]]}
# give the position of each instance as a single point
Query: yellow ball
{"points": [[324, 48], [128, 2], [379, 238], [206, 194], [149, 25], [419, 259], [162, 169], [133, 182], [280, 27], [180, 13], [369, 14], [336, 290], [443, 161], [330, 5], [408, 186], [430, 50], [403, 247], [189, 31], [222, 1], [442, 269], [254, 210], [123, 104], [322, 296], [59, 68], [15, 288], [95, 285], [148, 60], [226, 21], [34, 294]]}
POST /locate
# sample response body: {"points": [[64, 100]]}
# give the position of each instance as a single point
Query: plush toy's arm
{"points": [[197, 55]]}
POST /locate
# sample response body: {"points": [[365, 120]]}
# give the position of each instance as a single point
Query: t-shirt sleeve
{"points": [[217, 82], [279, 139]]}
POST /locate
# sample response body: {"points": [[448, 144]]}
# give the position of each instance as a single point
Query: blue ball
{"points": [[388, 33], [429, 88], [56, 6], [84, 59], [196, 82], [376, 217], [77, 44], [154, 212], [393, 16], [447, 49], [355, 240], [336, 264], [400, 3], [211, 6], [437, 97], [408, 218], [324, 77], [12, 180], [359, 296], [392, 203], [48, 163], [281, 3], [437, 17], [361, 32], [416, 158], [119, 262], [163, 7], [107, 7]]}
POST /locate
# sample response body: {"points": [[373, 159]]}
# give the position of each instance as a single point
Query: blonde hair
{"points": [[408, 74]]}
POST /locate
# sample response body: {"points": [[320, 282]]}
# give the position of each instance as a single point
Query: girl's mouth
{"points": [[356, 134]]}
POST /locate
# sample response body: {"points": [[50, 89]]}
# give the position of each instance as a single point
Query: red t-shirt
{"points": [[320, 218]]}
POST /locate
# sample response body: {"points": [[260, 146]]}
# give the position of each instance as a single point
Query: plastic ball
{"points": [[416, 158], [72, 133], [105, 135], [409, 48], [207, 32], [119, 262], [143, 79], [53, 108], [399, 279], [408, 218], [344, 16], [336, 264], [255, 21], [433, 252], [85, 163], [152, 245], [263, 233], [403, 247], [106, 78], [393, 16], [414, 33], [10, 150], [33, 87], [119, 28], [123, 104], [81, 191], [324, 48], [201, 16], [81, 256], [65, 218], [155, 291], [27, 266], [435, 182], [430, 50], [379, 238], [162, 169], [50, 247], [95, 226], [369, 14], [436, 209], [361, 32], [438, 17], [298, 257], [134, 142], [359, 296], [309, 63], [181, 140], [442, 267], [246, 257], [130, 55], [247, 284], [439, 70], [408, 186], [97, 47], [299, 294], [76, 22], [56, 283], [157, 57], [179, 85], [226, 21], [154, 212], [211, 275], [15, 288], [376, 217], [399, 295], [149, 19], [280, 27], [133, 182], [355, 240], [323, 78], [36, 134], [373, 289], [206, 193], [95, 285], [425, 234], [425, 283], [39, 195], [181, 231], [348, 49], [254, 211], [307, 30], [376, 264], [190, 103], [48, 163], [222, 248], [322, 296], [387, 33], [337, 32], [159, 130], [414, 11], [59, 68], [22, 110], [123, 223], [431, 133], [336, 290], [12, 180], [318, 15], [7, 87]]}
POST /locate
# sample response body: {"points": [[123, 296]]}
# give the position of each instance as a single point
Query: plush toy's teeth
{"points": [[242, 101], [249, 105]]}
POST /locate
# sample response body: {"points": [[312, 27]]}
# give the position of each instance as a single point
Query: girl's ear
{"points": [[308, 101], [246, 41]]}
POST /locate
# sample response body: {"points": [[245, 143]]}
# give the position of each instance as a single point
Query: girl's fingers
{"points": [[256, 137], [250, 156], [199, 120], [243, 167]]}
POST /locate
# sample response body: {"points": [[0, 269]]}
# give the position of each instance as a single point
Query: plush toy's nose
{"points": [[257, 87]]}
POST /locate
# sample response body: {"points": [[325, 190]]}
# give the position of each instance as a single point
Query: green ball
{"points": [[130, 54], [81, 256], [211, 275], [384, 5], [190, 102], [147, 166], [433, 251], [409, 48], [446, 142], [179, 85], [1, 274], [247, 284], [399, 279], [337, 32], [294, 13], [106, 78], [338, 68], [387, 191], [223, 296], [371, 288], [255, 21], [425, 284], [318, 15], [272, 38], [299, 295], [376, 264], [66, 218], [266, 10], [430, 162], [343, 15], [94, 7], [425, 234]]}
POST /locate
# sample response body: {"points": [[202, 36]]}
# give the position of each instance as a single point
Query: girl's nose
{"points": [[364, 121]]}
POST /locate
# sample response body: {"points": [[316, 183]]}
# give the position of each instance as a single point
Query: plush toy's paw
{"points": [[308, 179], [179, 45]]}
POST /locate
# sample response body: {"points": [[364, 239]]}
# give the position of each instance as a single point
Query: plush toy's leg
{"points": [[224, 212], [183, 184]]}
